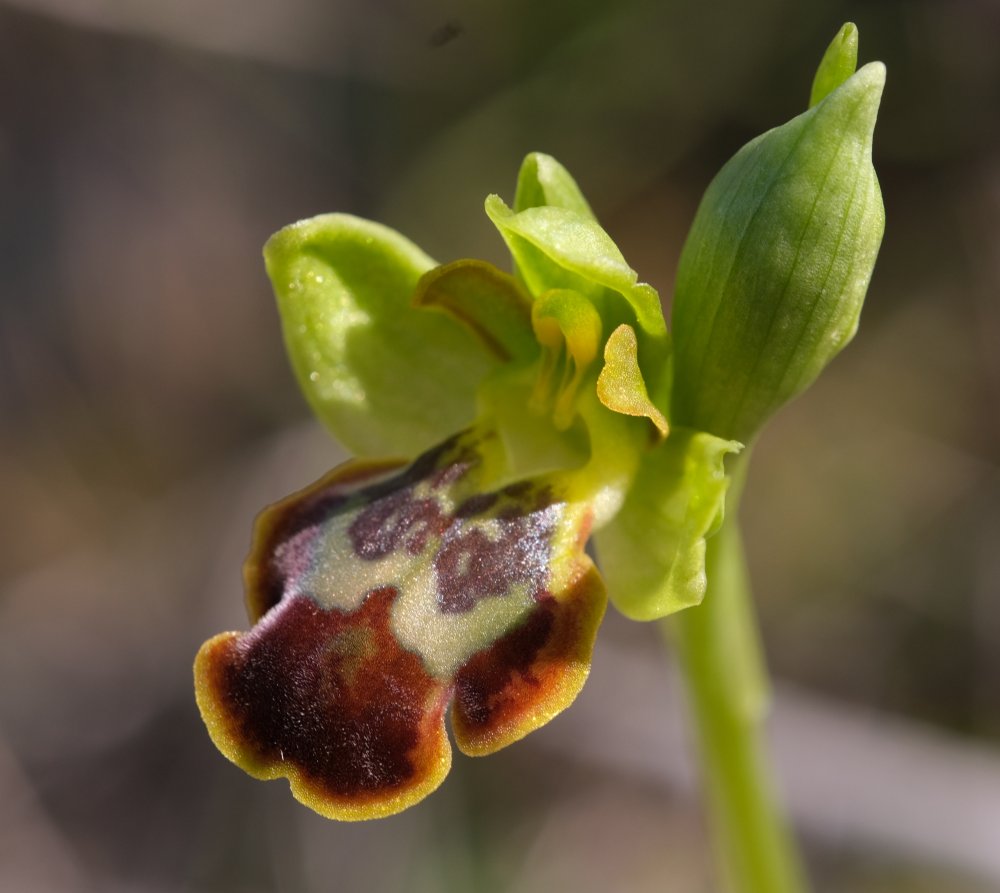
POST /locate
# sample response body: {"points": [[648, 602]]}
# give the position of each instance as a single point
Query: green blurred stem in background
{"points": [[726, 681]]}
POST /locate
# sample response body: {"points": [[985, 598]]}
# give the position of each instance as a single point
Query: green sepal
{"points": [[838, 63], [774, 271], [491, 303], [652, 553], [555, 247], [544, 181], [344, 288]]}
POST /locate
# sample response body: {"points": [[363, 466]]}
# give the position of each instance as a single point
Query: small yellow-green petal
{"points": [[620, 386], [491, 303]]}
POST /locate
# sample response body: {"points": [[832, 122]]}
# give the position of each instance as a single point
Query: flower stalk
{"points": [[719, 654]]}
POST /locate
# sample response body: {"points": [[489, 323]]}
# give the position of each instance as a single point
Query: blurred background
{"points": [[147, 150]]}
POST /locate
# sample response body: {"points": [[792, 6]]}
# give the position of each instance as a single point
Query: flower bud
{"points": [[775, 268]]}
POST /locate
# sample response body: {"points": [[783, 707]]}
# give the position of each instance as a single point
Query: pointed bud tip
{"points": [[854, 104], [846, 41], [837, 65], [867, 81], [872, 76], [848, 32], [496, 207], [868, 84]]}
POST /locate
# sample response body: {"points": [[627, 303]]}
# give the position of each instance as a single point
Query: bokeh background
{"points": [[147, 150]]}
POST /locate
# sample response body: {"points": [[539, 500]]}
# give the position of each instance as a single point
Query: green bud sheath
{"points": [[775, 268]]}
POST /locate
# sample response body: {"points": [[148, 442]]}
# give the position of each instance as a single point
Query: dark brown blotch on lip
{"points": [[331, 697], [482, 680], [535, 669]]}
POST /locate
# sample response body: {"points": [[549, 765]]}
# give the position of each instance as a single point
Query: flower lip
{"points": [[379, 597]]}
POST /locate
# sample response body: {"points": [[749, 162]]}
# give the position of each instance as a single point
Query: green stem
{"points": [[720, 659]]}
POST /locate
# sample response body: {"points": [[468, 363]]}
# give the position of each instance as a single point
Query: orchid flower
{"points": [[499, 421]]}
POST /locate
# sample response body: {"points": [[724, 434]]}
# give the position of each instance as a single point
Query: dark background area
{"points": [[146, 153]]}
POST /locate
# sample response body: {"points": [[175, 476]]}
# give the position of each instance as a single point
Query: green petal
{"points": [[491, 303], [620, 386], [544, 181], [652, 554], [555, 247], [387, 378], [837, 65]]}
